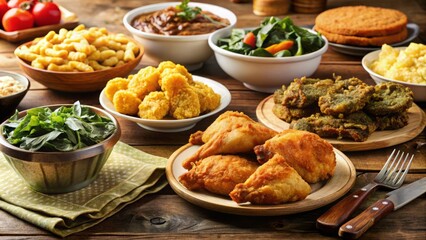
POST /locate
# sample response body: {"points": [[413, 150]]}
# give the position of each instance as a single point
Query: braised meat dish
{"points": [[168, 22]]}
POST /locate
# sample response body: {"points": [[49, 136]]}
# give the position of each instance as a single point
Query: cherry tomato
{"points": [[250, 39], [46, 13], [3, 8], [17, 19]]}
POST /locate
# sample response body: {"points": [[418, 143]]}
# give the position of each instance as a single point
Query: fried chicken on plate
{"points": [[274, 182], [232, 132], [311, 156], [218, 173]]}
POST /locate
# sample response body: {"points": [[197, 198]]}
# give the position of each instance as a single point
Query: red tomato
{"points": [[17, 19], [3, 8], [46, 13], [250, 39]]}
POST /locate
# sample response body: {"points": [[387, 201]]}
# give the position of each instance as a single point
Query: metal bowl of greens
{"points": [[269, 56], [59, 148]]}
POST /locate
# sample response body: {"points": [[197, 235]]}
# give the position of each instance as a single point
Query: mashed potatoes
{"points": [[9, 86], [407, 65]]}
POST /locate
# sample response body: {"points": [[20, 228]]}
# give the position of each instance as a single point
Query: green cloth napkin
{"points": [[128, 175]]}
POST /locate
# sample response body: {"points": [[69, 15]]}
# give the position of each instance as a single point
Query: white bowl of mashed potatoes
{"points": [[13, 88], [404, 65]]}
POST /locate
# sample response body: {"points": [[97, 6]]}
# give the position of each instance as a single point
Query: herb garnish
{"points": [[64, 129], [190, 13]]}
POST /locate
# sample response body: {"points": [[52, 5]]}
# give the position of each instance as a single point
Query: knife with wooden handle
{"points": [[330, 221], [396, 199]]}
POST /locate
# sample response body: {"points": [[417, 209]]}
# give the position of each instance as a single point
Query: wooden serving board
{"points": [[377, 140], [322, 193]]}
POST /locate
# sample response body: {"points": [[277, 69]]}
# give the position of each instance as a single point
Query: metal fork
{"points": [[392, 175]]}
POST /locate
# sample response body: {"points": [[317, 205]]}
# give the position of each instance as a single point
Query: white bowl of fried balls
{"points": [[166, 98], [281, 171], [167, 34], [402, 65]]}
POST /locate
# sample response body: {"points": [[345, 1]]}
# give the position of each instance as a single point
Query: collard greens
{"points": [[273, 31], [63, 129]]}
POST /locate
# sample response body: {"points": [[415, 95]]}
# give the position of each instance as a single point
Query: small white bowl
{"points": [[265, 74], [173, 125], [419, 90], [190, 51]]}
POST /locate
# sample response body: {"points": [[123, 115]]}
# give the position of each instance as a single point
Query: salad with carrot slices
{"points": [[274, 38]]}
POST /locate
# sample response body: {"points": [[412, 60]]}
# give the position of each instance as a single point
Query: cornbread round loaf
{"points": [[362, 21], [364, 41]]}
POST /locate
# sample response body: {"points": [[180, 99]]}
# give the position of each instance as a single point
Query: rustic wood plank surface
{"points": [[165, 214]]}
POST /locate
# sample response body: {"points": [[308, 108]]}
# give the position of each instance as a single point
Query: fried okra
{"points": [[357, 126], [389, 98], [348, 96], [304, 92]]}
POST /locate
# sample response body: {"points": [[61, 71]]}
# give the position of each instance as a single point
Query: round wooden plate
{"points": [[322, 193], [377, 140]]}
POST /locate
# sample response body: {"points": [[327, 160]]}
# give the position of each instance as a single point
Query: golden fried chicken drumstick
{"points": [[274, 182], [232, 132], [218, 173], [311, 156]]}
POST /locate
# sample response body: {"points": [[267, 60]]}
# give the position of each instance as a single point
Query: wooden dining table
{"points": [[166, 215]]}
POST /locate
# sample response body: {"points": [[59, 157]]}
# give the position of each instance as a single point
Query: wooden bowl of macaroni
{"points": [[79, 60]]}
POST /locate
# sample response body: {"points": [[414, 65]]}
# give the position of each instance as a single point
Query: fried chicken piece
{"points": [[167, 67], [209, 100], [232, 132], [218, 173], [290, 114], [274, 182], [114, 85], [348, 96], [144, 82], [184, 101], [389, 98], [392, 121], [311, 156], [357, 126], [154, 106], [126, 102], [303, 92]]}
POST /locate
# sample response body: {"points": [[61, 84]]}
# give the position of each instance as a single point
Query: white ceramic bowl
{"points": [[419, 90], [264, 74], [173, 125], [190, 51]]}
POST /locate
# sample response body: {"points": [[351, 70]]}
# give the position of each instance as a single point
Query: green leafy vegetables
{"points": [[273, 33], [63, 129], [190, 13]]}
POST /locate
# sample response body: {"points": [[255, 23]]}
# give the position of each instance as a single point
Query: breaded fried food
{"points": [[168, 67], [389, 98], [218, 173], [144, 82], [184, 101], [357, 126], [209, 100], [348, 96], [392, 121], [154, 106], [232, 132], [126, 102], [311, 156], [290, 114], [114, 85], [304, 92], [274, 182]]}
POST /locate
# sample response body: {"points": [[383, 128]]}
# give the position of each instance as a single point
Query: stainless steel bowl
{"points": [[60, 172]]}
